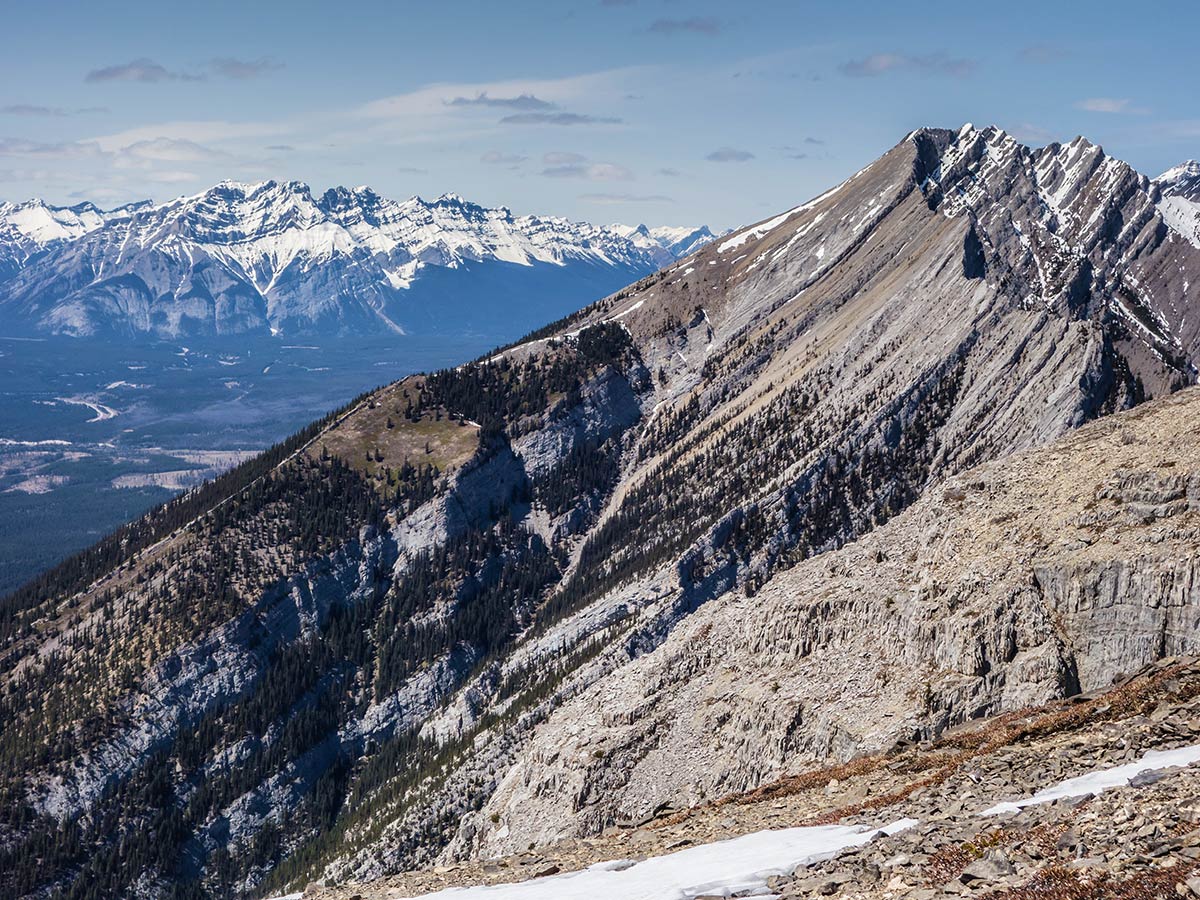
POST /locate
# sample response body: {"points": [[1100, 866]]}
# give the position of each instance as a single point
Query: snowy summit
{"points": [[273, 255]]}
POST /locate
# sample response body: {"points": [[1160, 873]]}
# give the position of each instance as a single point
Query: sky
{"points": [[658, 111]]}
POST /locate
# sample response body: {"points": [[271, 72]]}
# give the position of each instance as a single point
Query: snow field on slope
{"points": [[1100, 780], [724, 868], [742, 865]]}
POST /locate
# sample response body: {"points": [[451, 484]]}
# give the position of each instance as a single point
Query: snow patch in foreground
{"points": [[724, 868], [1104, 779]]}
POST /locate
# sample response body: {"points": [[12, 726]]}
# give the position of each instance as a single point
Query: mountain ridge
{"points": [[469, 611], [274, 256]]}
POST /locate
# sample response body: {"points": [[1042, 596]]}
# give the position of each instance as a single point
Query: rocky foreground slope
{"points": [[614, 567], [985, 805], [987, 810], [1035, 577]]}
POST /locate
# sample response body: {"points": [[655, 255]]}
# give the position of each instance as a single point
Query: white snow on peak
{"points": [[303, 256], [39, 223], [1183, 217], [666, 243], [263, 227], [1180, 203], [1188, 169]]}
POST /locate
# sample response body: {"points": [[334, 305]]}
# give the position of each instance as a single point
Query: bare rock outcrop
{"points": [[1035, 577]]}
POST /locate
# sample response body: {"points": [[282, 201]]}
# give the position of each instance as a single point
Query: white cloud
{"points": [[202, 131], [444, 99], [242, 69], [146, 155], [168, 150], [562, 158], [601, 171], [143, 70], [22, 148], [1109, 105], [932, 63], [613, 199], [496, 158], [729, 154]]}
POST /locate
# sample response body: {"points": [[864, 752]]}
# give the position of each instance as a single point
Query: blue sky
{"points": [[663, 111]]}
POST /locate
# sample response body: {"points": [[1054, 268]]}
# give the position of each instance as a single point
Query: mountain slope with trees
{"points": [[339, 658]]}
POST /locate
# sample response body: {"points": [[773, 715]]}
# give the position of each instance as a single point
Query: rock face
{"points": [[781, 502], [272, 256], [966, 798], [1024, 580]]}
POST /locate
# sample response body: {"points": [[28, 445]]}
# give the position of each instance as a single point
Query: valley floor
{"points": [[1113, 813]]}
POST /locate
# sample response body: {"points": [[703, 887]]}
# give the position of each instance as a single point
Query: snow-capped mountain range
{"points": [[665, 241], [275, 257], [1180, 204]]}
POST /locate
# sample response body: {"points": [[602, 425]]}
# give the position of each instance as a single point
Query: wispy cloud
{"points": [[29, 109], [591, 171], [808, 149], [557, 118], [25, 175], [525, 102], [610, 199], [931, 64], [148, 71], [33, 111], [1110, 105], [668, 173], [200, 132], [496, 158], [243, 69], [280, 148], [140, 153], [168, 176], [694, 25], [443, 99], [1043, 53], [1029, 133], [143, 70], [562, 158], [729, 154], [1178, 129], [468, 111], [21, 148]]}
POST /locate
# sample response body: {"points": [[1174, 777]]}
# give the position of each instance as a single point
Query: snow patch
{"points": [[1104, 779], [727, 868]]}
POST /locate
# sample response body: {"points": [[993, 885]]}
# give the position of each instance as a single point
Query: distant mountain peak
{"points": [[1180, 203], [273, 255], [1181, 181], [666, 241]]}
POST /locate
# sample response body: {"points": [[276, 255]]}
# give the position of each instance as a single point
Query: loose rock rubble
{"points": [[1135, 842]]}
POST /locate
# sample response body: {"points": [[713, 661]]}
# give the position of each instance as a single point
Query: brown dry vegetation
{"points": [[949, 754], [366, 442], [1061, 883]]}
